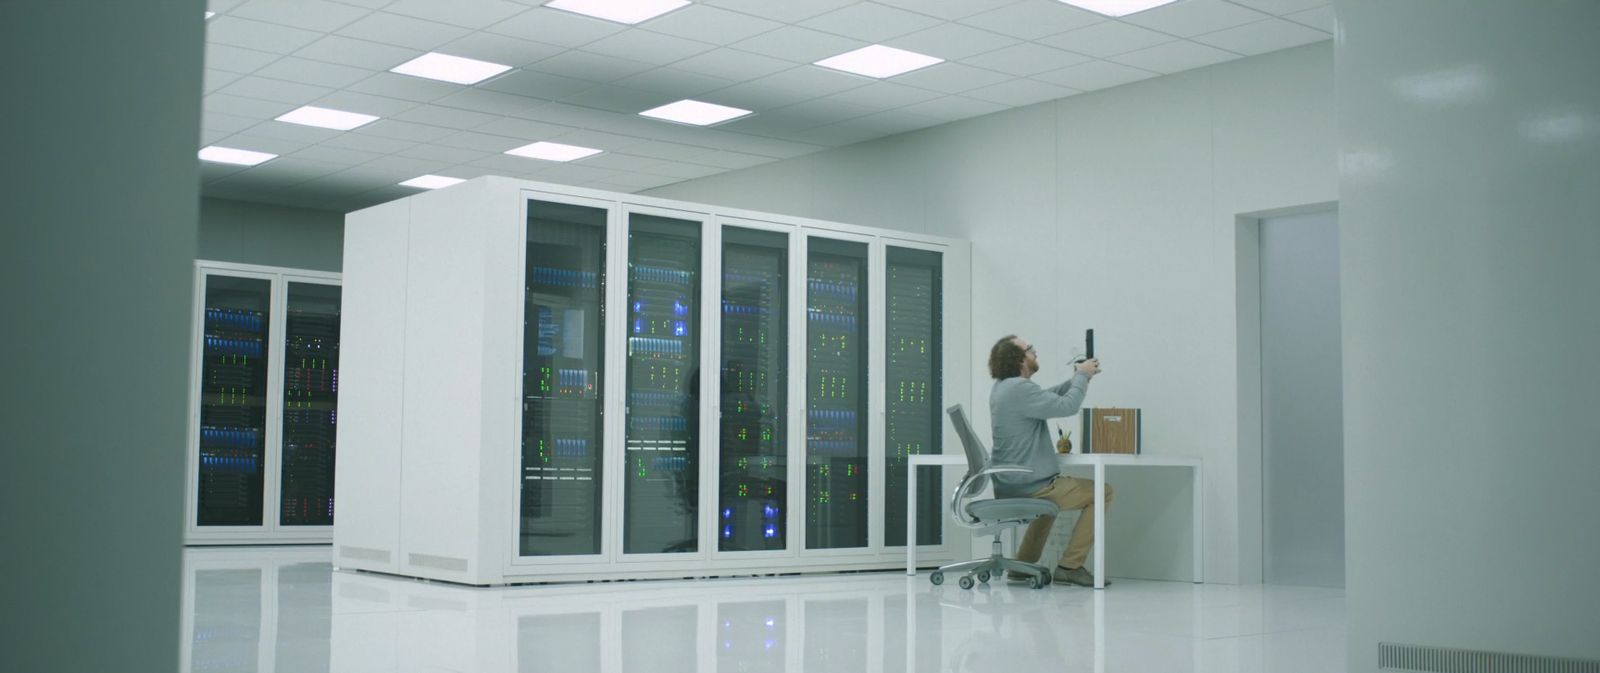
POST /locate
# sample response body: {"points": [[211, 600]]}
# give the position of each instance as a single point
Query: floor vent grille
{"points": [[1394, 657]]}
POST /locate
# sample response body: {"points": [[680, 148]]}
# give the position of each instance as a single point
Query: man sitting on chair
{"points": [[1019, 408]]}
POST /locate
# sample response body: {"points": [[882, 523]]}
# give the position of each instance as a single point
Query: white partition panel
{"points": [[436, 465]]}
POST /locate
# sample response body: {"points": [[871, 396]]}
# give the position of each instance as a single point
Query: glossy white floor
{"points": [[264, 609]]}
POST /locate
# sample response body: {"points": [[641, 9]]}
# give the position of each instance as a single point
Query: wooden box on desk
{"points": [[1110, 430]]}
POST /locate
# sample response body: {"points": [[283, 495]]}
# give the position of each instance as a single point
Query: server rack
{"points": [[733, 391], [264, 391]]}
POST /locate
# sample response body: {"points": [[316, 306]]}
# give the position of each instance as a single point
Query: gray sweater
{"points": [[1018, 408]]}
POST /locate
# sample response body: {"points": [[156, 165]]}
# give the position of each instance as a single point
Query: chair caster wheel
{"points": [[937, 578], [1035, 583], [983, 576], [965, 582]]}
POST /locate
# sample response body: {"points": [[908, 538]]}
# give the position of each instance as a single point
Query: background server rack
{"points": [[563, 388], [753, 471], [836, 394], [912, 396], [265, 405], [484, 440], [661, 488]]}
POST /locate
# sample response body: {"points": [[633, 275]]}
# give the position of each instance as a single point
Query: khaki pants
{"points": [[1068, 493]]}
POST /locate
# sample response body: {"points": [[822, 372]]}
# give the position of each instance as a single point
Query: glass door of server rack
{"points": [[836, 394], [752, 483], [233, 401], [661, 481], [310, 404], [912, 408], [562, 380]]}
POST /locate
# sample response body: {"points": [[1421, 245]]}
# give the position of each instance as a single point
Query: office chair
{"points": [[991, 516]]}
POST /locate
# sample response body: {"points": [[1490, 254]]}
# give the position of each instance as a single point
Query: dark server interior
{"points": [[912, 411], [563, 361], [836, 399], [310, 403], [233, 401], [753, 485], [661, 486]]}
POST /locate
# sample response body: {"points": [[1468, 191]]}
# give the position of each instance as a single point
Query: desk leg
{"points": [[1100, 525], [911, 519], [1199, 522]]}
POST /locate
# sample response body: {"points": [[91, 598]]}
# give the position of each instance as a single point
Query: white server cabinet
{"points": [[544, 383], [264, 405]]}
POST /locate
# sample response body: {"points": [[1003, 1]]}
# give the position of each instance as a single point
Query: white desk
{"points": [[1099, 461]]}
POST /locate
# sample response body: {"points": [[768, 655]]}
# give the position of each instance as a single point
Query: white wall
{"points": [[96, 265], [1469, 238], [1114, 210]]}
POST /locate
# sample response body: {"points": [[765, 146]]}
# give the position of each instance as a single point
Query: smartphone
{"points": [[1088, 340]]}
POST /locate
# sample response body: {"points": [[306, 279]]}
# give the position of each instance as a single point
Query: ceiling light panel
{"points": [[549, 151], [447, 68], [328, 118], [879, 61], [621, 11], [231, 155], [695, 113], [431, 181], [1117, 7]]}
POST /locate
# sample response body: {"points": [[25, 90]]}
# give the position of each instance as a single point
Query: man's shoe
{"points": [[1078, 576]]}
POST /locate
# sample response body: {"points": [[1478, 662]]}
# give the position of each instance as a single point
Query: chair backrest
{"points": [[977, 454]]}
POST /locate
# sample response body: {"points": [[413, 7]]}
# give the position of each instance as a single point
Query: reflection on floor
{"points": [[263, 609]]}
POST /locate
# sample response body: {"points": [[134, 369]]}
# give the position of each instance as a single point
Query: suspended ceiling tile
{"points": [[643, 45], [278, 146], [951, 108], [507, 163], [553, 26], [317, 15], [446, 117], [405, 87], [491, 102], [500, 49], [757, 97], [237, 59], [591, 66], [241, 106], [477, 14], [535, 84], [619, 99], [512, 127], [304, 71], [357, 53], [486, 142], [948, 9], [1095, 75], [365, 103], [305, 135], [1175, 57], [1282, 7], [365, 143], [277, 90], [1195, 17], [214, 79], [733, 65], [1262, 37], [1033, 19], [1026, 59], [403, 130], [952, 41], [402, 31], [799, 45], [709, 24], [258, 35], [443, 153], [674, 82], [684, 171], [788, 12], [619, 161], [871, 22], [220, 122], [336, 155], [600, 140], [1107, 39], [1020, 92], [885, 95], [952, 78], [814, 81], [1321, 18]]}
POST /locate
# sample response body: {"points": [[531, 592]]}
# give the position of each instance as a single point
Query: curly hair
{"points": [[1005, 359]]}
